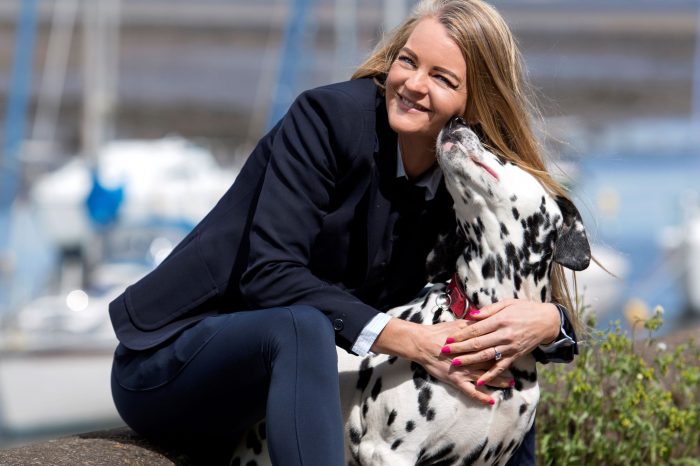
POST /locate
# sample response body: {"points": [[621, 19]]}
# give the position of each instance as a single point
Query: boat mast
{"points": [[15, 123]]}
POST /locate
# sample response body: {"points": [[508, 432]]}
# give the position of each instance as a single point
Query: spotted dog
{"points": [[509, 232]]}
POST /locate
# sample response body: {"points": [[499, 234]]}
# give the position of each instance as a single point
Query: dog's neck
{"points": [[502, 259]]}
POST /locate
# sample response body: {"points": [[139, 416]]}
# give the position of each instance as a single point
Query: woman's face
{"points": [[426, 84]]}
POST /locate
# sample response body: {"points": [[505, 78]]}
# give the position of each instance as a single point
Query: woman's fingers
{"points": [[491, 309], [469, 389], [497, 375], [493, 378]]}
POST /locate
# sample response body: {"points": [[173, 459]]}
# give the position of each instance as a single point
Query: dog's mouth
{"points": [[448, 145], [488, 169]]}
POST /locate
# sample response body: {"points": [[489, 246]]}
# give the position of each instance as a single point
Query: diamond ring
{"points": [[497, 354]]}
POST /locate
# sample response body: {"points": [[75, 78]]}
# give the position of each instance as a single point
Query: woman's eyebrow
{"points": [[438, 68]]}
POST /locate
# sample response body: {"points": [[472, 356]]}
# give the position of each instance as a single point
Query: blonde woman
{"points": [[329, 223]]}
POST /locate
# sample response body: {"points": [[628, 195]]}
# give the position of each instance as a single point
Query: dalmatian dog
{"points": [[510, 231]]}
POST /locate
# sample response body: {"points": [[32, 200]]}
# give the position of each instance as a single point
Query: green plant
{"points": [[624, 401]]}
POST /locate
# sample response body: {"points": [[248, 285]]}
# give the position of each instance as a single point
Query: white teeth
{"points": [[408, 103]]}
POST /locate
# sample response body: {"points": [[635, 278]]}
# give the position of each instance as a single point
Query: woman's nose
{"points": [[417, 83]]}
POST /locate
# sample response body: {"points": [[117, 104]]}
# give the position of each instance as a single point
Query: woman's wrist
{"points": [[397, 339], [553, 318]]}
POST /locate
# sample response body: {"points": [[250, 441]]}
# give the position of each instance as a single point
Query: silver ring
{"points": [[497, 354]]}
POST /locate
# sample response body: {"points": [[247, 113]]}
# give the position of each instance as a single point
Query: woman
{"points": [[330, 222]]}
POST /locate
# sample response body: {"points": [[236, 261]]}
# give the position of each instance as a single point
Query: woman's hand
{"points": [[425, 345], [513, 327]]}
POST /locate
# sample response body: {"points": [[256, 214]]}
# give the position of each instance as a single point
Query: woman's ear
{"points": [[572, 249], [441, 263]]}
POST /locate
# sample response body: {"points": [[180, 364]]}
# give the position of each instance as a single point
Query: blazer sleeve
{"points": [[317, 141]]}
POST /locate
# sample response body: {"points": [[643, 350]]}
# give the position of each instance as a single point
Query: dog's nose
{"points": [[456, 121]]}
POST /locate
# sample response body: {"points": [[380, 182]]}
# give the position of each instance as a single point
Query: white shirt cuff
{"points": [[369, 334], [563, 339]]}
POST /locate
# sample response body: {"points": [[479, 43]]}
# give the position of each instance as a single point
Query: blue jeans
{"points": [[202, 390], [525, 455]]}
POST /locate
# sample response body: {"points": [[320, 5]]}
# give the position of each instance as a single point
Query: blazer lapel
{"points": [[379, 204]]}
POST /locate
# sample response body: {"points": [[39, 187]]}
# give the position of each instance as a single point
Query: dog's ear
{"points": [[442, 260], [571, 249]]}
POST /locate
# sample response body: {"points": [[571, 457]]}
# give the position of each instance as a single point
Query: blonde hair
{"points": [[497, 109]]}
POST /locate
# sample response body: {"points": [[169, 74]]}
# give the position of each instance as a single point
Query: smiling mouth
{"points": [[411, 104]]}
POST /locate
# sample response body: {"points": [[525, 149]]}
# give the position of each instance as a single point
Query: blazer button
{"points": [[338, 325]]}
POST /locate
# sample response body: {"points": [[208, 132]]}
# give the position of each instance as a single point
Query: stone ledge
{"points": [[120, 446]]}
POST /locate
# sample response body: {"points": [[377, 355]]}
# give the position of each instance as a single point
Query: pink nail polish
{"points": [[449, 340], [492, 402], [456, 362], [445, 349], [479, 383], [474, 313]]}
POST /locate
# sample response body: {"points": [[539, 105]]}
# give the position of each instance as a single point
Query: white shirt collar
{"points": [[430, 179]]}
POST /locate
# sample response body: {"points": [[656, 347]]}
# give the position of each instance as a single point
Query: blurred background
{"points": [[123, 121]]}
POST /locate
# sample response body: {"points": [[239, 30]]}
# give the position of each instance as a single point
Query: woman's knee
{"points": [[302, 326]]}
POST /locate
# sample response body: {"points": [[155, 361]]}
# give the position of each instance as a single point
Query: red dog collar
{"points": [[460, 305]]}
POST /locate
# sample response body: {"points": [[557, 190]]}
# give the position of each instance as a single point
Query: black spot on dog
{"points": [[253, 442], [420, 375], [392, 359], [392, 417], [364, 375], [417, 318], [365, 408], [519, 376], [436, 316], [498, 449], [543, 294], [474, 455], [523, 408], [529, 376], [440, 457], [489, 268], [510, 446], [431, 414], [410, 425], [507, 394], [517, 281], [376, 388], [504, 230], [396, 444], [355, 436], [513, 198], [424, 396], [404, 315], [516, 214]]}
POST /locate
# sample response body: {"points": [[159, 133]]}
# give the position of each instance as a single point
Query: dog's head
{"points": [[521, 212]]}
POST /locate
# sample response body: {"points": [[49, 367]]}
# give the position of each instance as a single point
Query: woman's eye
{"points": [[407, 60], [446, 81]]}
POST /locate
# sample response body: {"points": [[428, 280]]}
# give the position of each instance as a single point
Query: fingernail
{"points": [[449, 340], [492, 402], [445, 349], [456, 362], [512, 383], [479, 383], [474, 312]]}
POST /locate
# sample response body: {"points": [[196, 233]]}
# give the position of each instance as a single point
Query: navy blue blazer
{"points": [[310, 219]]}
